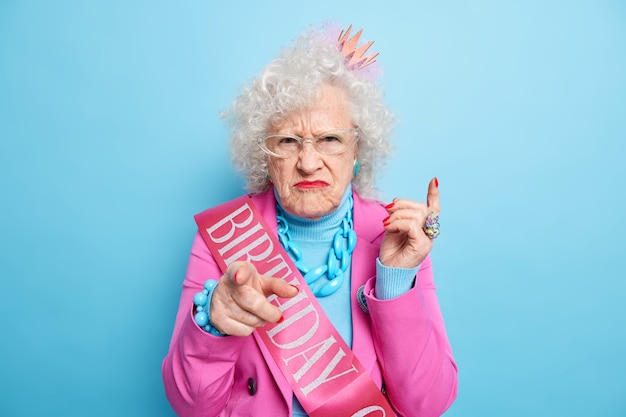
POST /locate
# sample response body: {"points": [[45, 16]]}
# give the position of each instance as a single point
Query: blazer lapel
{"points": [[363, 269]]}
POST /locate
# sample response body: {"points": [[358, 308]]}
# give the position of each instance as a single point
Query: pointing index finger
{"points": [[432, 198]]}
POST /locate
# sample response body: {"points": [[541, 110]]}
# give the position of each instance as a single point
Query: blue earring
{"points": [[357, 167]]}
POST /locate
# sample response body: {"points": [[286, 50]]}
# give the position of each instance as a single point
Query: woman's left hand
{"points": [[405, 244]]}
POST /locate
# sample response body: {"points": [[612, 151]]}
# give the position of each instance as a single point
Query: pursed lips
{"points": [[312, 184]]}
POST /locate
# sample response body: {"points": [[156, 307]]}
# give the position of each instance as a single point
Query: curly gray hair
{"points": [[292, 81]]}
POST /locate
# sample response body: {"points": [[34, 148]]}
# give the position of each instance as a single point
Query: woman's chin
{"points": [[310, 211]]}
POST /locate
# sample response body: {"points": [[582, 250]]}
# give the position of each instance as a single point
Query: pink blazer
{"points": [[401, 341]]}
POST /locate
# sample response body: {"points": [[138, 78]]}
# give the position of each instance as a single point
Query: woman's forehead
{"points": [[331, 110]]}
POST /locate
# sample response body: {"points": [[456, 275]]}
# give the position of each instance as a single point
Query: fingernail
{"points": [[280, 320], [385, 219], [298, 289], [235, 277], [436, 182], [386, 224], [390, 205]]}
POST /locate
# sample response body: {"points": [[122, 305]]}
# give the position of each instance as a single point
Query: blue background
{"points": [[110, 140]]}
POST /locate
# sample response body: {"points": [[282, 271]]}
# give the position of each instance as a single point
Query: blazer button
{"points": [[251, 386]]}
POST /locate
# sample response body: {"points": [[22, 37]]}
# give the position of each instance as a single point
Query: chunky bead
{"points": [[315, 274], [282, 225], [201, 319], [210, 284], [215, 332], [351, 241], [283, 241], [295, 250], [345, 262], [332, 286], [345, 226], [200, 299], [302, 267], [337, 244], [332, 264]]}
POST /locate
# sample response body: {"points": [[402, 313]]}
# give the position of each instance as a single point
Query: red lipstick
{"points": [[312, 184]]}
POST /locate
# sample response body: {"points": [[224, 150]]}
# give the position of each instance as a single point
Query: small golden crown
{"points": [[354, 56]]}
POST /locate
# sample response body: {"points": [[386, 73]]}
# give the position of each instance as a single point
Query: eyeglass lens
{"points": [[287, 145]]}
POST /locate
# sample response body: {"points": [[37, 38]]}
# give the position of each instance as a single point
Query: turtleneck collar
{"points": [[322, 229]]}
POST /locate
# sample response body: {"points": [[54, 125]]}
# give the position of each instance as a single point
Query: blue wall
{"points": [[110, 140]]}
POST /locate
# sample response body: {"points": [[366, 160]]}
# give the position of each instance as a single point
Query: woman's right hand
{"points": [[239, 304]]}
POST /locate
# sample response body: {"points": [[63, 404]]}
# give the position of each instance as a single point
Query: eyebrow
{"points": [[320, 132]]}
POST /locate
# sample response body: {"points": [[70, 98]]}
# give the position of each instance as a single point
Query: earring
{"points": [[357, 167]]}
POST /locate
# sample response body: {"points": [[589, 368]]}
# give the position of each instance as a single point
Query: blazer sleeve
{"points": [[412, 347], [198, 370]]}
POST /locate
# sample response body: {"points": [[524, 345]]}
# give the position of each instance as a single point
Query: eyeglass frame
{"points": [[354, 131]]}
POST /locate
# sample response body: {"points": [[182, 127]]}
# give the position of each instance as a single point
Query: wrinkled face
{"points": [[311, 184]]}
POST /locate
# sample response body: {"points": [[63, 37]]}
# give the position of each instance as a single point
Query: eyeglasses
{"points": [[286, 145]]}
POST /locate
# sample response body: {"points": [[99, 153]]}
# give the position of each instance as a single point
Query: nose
{"points": [[309, 159]]}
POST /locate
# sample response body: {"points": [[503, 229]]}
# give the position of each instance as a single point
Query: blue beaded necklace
{"points": [[339, 255]]}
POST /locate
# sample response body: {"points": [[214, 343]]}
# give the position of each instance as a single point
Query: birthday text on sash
{"points": [[310, 353]]}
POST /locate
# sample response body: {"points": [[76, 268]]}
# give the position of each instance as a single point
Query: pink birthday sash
{"points": [[323, 372]]}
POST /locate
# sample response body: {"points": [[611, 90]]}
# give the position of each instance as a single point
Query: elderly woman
{"points": [[310, 133]]}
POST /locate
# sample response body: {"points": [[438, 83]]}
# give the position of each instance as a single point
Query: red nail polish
{"points": [[280, 320], [389, 206], [386, 224], [235, 277], [436, 182], [385, 219]]}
